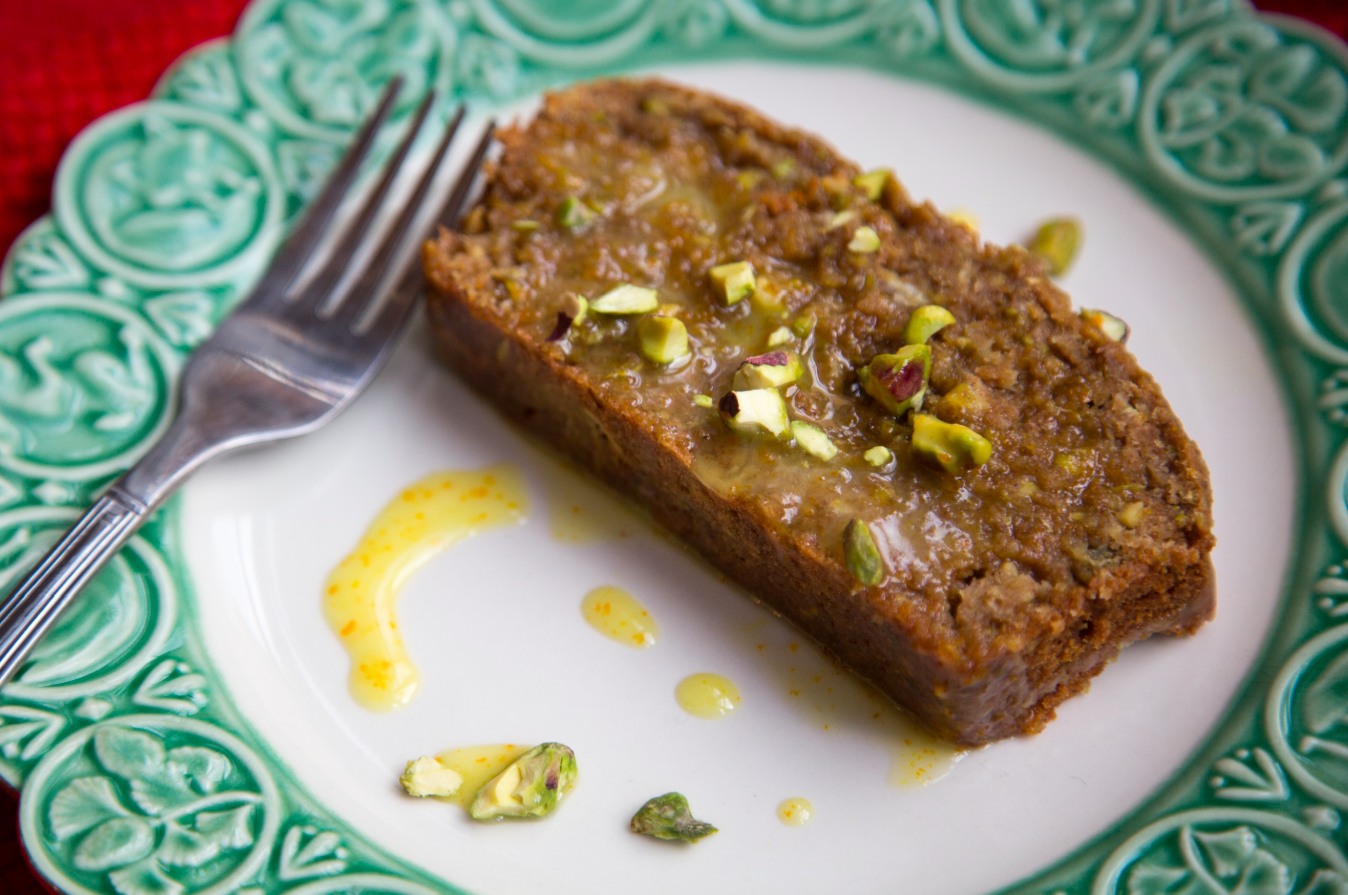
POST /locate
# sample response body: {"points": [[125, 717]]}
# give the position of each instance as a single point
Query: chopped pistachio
{"points": [[734, 282], [898, 381], [425, 776], [965, 218], [772, 370], [574, 214], [952, 446], [878, 455], [1113, 327], [524, 226], [962, 399], [663, 339], [863, 557], [813, 440], [873, 182], [530, 786], [755, 411], [626, 299], [926, 322], [703, 401], [783, 168], [864, 241], [1133, 513], [840, 218], [669, 817], [803, 325], [654, 105], [779, 337], [575, 306], [1057, 241]]}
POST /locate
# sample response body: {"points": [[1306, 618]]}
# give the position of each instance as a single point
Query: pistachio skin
{"points": [[953, 447], [1057, 242], [543, 774], [926, 322], [668, 817], [863, 557]]}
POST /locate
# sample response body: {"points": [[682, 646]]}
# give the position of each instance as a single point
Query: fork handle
{"points": [[75, 559]]}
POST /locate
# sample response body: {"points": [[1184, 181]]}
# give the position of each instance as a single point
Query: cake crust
{"points": [[1006, 587]]}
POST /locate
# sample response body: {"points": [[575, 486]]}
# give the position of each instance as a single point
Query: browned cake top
{"points": [[1091, 480]]}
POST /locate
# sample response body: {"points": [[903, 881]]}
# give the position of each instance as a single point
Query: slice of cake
{"points": [[907, 443]]}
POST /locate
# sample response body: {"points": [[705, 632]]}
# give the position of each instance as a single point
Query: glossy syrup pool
{"points": [[505, 656]]}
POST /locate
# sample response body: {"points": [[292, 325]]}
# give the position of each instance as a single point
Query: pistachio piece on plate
{"points": [[669, 817], [530, 786], [425, 776]]}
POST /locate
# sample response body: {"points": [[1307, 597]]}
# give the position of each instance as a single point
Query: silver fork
{"points": [[294, 354]]}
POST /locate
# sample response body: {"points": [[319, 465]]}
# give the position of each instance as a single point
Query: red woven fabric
{"points": [[66, 62]]}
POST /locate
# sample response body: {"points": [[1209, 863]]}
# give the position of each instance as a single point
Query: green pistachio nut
{"points": [[952, 446], [733, 282], [530, 786], [926, 322], [873, 183], [878, 455], [863, 557], [626, 299], [813, 440], [1057, 241], [783, 168], [898, 381], [759, 411], [843, 217], [523, 226], [669, 817], [1114, 328], [772, 370], [663, 339], [803, 325], [427, 777], [574, 214], [864, 241], [779, 337], [703, 401]]}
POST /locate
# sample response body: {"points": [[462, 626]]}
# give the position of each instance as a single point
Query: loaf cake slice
{"points": [[906, 442]]}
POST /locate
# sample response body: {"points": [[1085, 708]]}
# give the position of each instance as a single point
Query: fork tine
{"points": [[449, 213], [322, 289], [299, 246], [367, 288]]}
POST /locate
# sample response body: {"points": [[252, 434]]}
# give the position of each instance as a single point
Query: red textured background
{"points": [[65, 62]]}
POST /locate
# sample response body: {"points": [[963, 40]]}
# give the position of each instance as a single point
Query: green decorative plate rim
{"points": [[136, 774]]}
